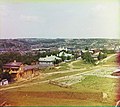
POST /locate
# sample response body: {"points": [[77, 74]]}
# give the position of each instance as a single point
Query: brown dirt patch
{"points": [[29, 98]]}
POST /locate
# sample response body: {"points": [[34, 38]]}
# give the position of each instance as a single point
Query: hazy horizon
{"points": [[59, 20], [55, 38]]}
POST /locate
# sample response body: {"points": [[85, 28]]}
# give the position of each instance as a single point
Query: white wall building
{"points": [[48, 60]]}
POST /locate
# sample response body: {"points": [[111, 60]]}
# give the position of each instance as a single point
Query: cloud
{"points": [[106, 7], [3, 10], [30, 18]]}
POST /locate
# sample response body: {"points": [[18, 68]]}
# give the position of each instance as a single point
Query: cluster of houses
{"points": [[50, 60], [18, 71]]}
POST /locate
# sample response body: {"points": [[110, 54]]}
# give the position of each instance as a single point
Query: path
{"points": [[106, 59]]}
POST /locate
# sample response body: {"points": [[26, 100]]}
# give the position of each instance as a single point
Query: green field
{"points": [[80, 64]]}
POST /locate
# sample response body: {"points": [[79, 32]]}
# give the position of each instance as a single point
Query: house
{"points": [[19, 71], [95, 55], [65, 56], [4, 82], [62, 49], [14, 68], [30, 71], [41, 49], [48, 60], [90, 51], [62, 53]]}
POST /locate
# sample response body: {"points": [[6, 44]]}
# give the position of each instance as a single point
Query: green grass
{"points": [[61, 75], [81, 64], [44, 87], [97, 84], [111, 61], [91, 84], [63, 66], [49, 69]]}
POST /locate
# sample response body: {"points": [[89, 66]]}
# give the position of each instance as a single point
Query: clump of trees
{"points": [[102, 55], [5, 75], [87, 57], [11, 56], [108, 51], [91, 58]]}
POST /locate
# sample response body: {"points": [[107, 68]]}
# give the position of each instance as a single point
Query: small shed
{"points": [[4, 82]]}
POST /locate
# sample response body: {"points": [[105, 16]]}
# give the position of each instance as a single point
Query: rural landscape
{"points": [[59, 53], [81, 76]]}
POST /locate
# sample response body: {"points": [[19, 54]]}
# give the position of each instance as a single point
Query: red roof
{"points": [[30, 67], [13, 65]]}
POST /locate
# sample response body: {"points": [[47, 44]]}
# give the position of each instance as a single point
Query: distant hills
{"points": [[27, 43]]}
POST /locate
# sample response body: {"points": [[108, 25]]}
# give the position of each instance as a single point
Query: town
{"points": [[64, 65], [59, 53]]}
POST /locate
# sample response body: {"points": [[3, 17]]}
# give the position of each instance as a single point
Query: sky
{"points": [[70, 19]]}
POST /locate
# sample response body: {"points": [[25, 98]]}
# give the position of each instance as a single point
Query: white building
{"points": [[48, 60], [62, 49], [65, 54]]}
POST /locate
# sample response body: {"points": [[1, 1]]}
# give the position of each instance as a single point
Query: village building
{"points": [[62, 53], [95, 55], [90, 51], [48, 60], [41, 49], [62, 49], [117, 49], [19, 71]]}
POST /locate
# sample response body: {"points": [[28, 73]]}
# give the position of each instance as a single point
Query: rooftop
{"points": [[49, 58], [12, 64], [30, 67]]}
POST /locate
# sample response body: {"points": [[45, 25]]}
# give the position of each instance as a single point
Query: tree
{"points": [[63, 57], [68, 57], [102, 55], [82, 55], [57, 61], [104, 50], [6, 75], [86, 48], [88, 58]]}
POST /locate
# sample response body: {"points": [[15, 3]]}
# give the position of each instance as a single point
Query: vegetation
{"points": [[5, 75], [98, 84], [87, 57], [108, 51], [80, 64], [61, 75], [101, 55], [11, 56], [63, 66]]}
